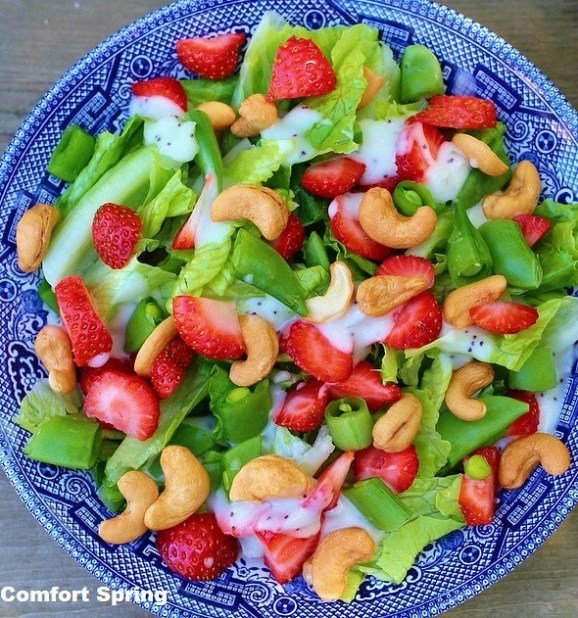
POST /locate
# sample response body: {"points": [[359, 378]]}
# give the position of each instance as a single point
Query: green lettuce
{"points": [[314, 280], [390, 364], [436, 379], [258, 163], [562, 330]]}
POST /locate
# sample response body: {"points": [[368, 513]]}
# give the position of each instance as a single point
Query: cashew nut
{"points": [[54, 349], [521, 196], [524, 454], [140, 491], [337, 553], [269, 476], [33, 235], [261, 205], [398, 427], [374, 83], [466, 381], [221, 115], [383, 223], [262, 345], [256, 115], [381, 294], [480, 154], [337, 299], [457, 305], [154, 344], [187, 486]]}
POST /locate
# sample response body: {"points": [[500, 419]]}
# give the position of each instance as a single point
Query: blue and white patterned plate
{"points": [[542, 127]]}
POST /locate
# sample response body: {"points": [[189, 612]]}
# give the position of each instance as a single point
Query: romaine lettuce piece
{"points": [[257, 164]]}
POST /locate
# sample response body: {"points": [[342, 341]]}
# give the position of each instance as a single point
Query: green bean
{"points": [[408, 196], [349, 423], [477, 467], [142, 322], [421, 74], [72, 153], [314, 251], [209, 157]]}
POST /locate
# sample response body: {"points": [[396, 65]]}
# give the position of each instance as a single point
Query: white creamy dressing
{"points": [[154, 108], [447, 174], [117, 329], [348, 204], [476, 215], [172, 138], [346, 515], [269, 308], [309, 457]]}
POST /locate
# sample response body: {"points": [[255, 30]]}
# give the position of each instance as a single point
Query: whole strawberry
{"points": [[115, 233]]}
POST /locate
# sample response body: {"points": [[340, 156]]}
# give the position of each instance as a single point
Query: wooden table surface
{"points": [[39, 40]]}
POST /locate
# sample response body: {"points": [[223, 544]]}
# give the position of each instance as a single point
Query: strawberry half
{"points": [[408, 266], [396, 470], [211, 57], [533, 228], [478, 497], [127, 402], [87, 375], [168, 370], [304, 406], [167, 87], [334, 476], [197, 549], [419, 145], [300, 70], [458, 112], [285, 555], [291, 239], [527, 423], [91, 341], [314, 353], [209, 327], [332, 178], [416, 323], [503, 318], [115, 233], [365, 382]]}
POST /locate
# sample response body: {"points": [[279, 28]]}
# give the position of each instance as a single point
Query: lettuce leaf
{"points": [[436, 379], [390, 364], [314, 280], [258, 163], [432, 496], [562, 330]]}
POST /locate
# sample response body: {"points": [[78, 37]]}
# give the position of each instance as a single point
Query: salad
{"points": [[309, 314]]}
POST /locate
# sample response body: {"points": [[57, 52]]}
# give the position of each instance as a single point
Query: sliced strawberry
{"points": [[89, 374], [503, 318], [416, 323], [300, 70], [332, 178], [115, 233], [211, 57], [533, 228], [334, 476], [396, 470], [167, 87], [168, 370], [478, 497], [197, 549], [527, 423], [180, 352], [291, 239], [91, 341], [418, 145], [304, 406], [408, 266], [458, 112], [127, 402], [365, 382], [285, 555], [313, 352], [209, 327]]}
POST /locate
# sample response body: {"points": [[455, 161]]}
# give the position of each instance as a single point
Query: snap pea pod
{"points": [[234, 459], [349, 423], [209, 158], [73, 152], [144, 319], [408, 196], [213, 464], [314, 251], [421, 74], [537, 374], [204, 90], [48, 296]]}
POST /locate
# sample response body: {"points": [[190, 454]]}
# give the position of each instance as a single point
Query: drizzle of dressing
{"points": [[551, 401], [173, 138], [117, 329], [346, 515], [348, 204], [154, 108], [270, 309], [447, 174], [476, 215]]}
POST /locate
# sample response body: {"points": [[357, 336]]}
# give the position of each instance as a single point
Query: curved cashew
{"points": [[398, 427], [480, 154], [524, 454], [33, 235], [374, 83], [261, 205], [54, 349], [140, 491], [187, 486], [337, 299], [154, 344], [466, 381], [221, 115], [337, 553], [457, 305], [383, 223], [269, 476], [521, 196], [262, 345], [257, 114], [381, 294]]}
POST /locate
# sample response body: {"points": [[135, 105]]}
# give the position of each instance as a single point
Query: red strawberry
{"points": [[180, 352], [89, 374], [285, 555], [300, 70], [215, 57], [419, 146], [533, 228], [304, 406], [115, 233], [478, 497], [396, 470], [168, 370], [408, 266], [209, 327], [347, 229], [334, 476], [127, 402], [197, 548], [91, 341], [458, 112], [527, 423], [503, 318], [416, 323], [291, 239], [313, 352], [365, 382], [167, 87], [332, 178]]}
